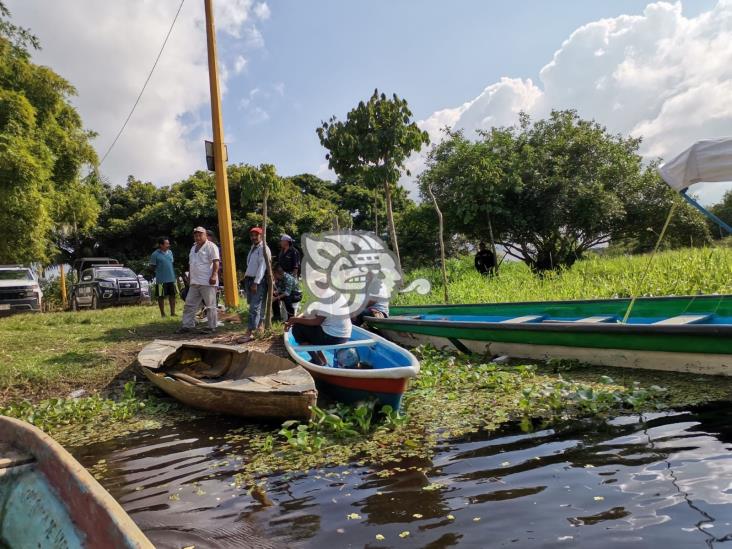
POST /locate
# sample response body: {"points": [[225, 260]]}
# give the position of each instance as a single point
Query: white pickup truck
{"points": [[19, 290]]}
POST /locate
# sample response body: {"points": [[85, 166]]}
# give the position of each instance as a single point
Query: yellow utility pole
{"points": [[231, 288], [62, 282]]}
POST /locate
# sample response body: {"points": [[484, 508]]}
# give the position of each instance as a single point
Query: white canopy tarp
{"points": [[709, 161]]}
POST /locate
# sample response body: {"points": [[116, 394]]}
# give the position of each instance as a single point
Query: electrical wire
{"points": [[155, 64]]}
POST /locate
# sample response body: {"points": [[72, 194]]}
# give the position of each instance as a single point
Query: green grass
{"points": [[51, 354], [681, 272]]}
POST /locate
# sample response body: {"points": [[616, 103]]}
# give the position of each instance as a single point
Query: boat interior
{"points": [[372, 354], [676, 320], [219, 368]]}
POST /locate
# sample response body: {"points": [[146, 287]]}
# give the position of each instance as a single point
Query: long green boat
{"points": [[684, 334]]}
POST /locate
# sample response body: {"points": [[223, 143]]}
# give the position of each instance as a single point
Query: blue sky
{"points": [[330, 55], [658, 70]]}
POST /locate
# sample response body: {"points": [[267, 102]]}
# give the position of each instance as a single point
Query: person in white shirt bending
{"points": [[203, 263], [324, 324]]}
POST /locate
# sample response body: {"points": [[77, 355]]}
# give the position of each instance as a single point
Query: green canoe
{"points": [[683, 334]]}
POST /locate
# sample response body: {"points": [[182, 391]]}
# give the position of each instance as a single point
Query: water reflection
{"points": [[636, 481]]}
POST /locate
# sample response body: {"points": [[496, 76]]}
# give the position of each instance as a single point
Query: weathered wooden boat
{"points": [[47, 499], [229, 380], [385, 377], [684, 334]]}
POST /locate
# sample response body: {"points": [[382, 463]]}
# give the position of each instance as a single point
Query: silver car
{"points": [[19, 290]]}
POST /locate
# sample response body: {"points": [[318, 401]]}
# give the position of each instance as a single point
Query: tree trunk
{"points": [[268, 258], [392, 228], [442, 243], [376, 215], [493, 245]]}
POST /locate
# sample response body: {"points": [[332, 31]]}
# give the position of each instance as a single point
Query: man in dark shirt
{"points": [[289, 257], [484, 260]]}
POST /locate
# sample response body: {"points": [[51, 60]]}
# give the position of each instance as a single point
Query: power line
{"points": [[119, 133]]}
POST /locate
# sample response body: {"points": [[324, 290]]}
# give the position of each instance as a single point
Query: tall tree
{"points": [[471, 180], [723, 210], [43, 151], [373, 144]]}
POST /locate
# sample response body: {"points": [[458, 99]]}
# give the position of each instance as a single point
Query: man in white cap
{"points": [[203, 269], [289, 257]]}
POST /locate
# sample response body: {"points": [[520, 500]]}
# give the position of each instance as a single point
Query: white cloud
{"points": [[659, 75], [262, 11], [106, 49], [240, 63]]}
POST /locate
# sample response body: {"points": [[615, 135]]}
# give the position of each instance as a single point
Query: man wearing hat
{"points": [[203, 262], [255, 282], [289, 257]]}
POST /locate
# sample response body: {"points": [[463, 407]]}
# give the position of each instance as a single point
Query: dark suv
{"points": [[106, 285], [19, 290]]}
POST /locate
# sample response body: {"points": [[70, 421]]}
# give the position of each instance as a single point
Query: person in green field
{"points": [[165, 286]]}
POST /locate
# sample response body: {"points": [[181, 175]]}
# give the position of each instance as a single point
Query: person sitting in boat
{"points": [[324, 324], [377, 302], [287, 292]]}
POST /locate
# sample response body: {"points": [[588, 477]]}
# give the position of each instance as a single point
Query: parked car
{"points": [[145, 297], [19, 290], [106, 285]]}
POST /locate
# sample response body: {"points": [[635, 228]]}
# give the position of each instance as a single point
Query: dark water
{"points": [[657, 480]]}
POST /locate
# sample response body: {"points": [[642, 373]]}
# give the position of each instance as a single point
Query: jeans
{"points": [[196, 294], [255, 301]]}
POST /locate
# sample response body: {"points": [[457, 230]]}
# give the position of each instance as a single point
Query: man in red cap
{"points": [[255, 281]]}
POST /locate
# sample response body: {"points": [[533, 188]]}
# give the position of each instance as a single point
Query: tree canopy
{"points": [[43, 151], [553, 189], [372, 145]]}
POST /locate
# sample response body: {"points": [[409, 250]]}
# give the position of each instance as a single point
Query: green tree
{"points": [[372, 146], [723, 210], [43, 151], [471, 181]]}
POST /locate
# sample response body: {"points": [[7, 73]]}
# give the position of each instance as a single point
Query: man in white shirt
{"points": [[255, 281], [203, 263]]}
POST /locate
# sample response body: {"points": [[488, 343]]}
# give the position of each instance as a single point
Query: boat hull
{"points": [[696, 348], [246, 405], [385, 384], [265, 386], [49, 500]]}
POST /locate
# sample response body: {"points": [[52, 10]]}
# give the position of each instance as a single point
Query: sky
{"points": [[660, 70]]}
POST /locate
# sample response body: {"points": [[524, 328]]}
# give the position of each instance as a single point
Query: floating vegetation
{"points": [[453, 396], [75, 421]]}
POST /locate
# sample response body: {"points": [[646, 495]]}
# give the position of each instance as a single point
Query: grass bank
{"points": [[680, 272], [52, 354]]}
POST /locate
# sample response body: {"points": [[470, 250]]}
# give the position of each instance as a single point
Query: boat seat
{"points": [[683, 319], [350, 344], [524, 319], [598, 318], [10, 456]]}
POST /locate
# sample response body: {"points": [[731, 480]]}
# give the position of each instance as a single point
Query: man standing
{"points": [[162, 260], [484, 260], [289, 257], [255, 283], [203, 274]]}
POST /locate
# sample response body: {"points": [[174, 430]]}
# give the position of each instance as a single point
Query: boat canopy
{"points": [[708, 161]]}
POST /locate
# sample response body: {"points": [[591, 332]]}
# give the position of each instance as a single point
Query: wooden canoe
{"points": [[47, 499], [228, 380], [683, 334], [391, 368]]}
